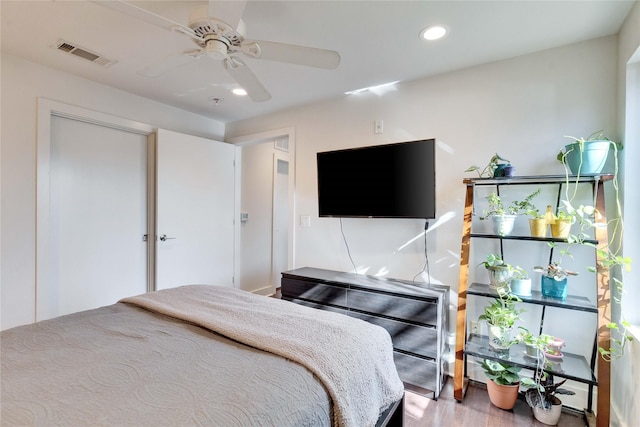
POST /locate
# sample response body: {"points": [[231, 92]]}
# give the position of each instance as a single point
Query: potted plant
{"points": [[610, 260], [499, 271], [561, 226], [501, 317], [554, 280], [493, 168], [541, 396], [520, 283], [587, 155], [504, 217], [535, 346], [537, 222], [503, 384]]}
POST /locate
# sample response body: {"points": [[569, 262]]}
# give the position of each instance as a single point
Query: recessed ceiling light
{"points": [[239, 91], [434, 32]]}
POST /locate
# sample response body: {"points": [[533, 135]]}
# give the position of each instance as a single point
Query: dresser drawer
{"points": [[317, 306], [414, 310], [412, 338], [417, 372], [313, 291]]}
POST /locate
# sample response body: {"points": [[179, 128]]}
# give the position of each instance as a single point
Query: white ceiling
{"points": [[378, 42]]}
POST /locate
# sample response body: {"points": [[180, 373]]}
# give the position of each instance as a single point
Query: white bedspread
{"points": [[352, 358]]}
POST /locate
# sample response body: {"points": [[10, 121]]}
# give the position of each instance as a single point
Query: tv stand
{"points": [[415, 315]]}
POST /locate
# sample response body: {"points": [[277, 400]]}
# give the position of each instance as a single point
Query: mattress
{"points": [[126, 365]]}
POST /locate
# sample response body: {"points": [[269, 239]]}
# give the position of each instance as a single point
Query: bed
{"points": [[200, 355]]}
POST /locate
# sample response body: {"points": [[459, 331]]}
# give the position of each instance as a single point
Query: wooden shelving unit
{"points": [[574, 367]]}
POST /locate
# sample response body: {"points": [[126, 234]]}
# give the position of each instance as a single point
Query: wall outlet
{"points": [[474, 327]]}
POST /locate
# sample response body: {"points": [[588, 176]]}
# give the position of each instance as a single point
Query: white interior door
{"points": [[97, 216], [195, 211]]}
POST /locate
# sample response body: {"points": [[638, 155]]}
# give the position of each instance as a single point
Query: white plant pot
{"points": [[499, 338], [499, 277], [550, 417], [521, 287], [503, 224]]}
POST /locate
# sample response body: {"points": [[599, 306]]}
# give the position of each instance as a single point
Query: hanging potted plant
{"points": [[554, 280], [586, 156], [501, 317], [499, 271], [609, 257], [541, 396], [503, 384], [520, 283]]}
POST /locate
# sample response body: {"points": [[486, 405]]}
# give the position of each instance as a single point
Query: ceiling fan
{"points": [[219, 32]]}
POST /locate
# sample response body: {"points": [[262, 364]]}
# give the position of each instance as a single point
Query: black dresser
{"points": [[415, 315]]}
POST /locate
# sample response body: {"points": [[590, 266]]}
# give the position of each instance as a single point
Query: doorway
{"points": [[266, 199]]}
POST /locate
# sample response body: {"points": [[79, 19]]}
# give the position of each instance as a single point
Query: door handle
{"points": [[164, 237]]}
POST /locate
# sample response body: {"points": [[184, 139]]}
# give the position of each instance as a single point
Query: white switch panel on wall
{"points": [[305, 221]]}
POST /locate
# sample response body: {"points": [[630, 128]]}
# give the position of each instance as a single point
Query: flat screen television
{"points": [[383, 181]]}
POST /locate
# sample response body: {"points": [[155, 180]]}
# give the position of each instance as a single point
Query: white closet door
{"points": [[195, 211], [98, 216]]}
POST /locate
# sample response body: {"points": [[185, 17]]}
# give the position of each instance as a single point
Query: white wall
{"points": [[520, 108], [22, 83], [625, 375]]}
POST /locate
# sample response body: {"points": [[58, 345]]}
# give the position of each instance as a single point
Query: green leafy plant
{"points": [[489, 169], [596, 136], [541, 342], [519, 273], [541, 391], [502, 312], [555, 271], [609, 256], [494, 260], [497, 208], [502, 373]]}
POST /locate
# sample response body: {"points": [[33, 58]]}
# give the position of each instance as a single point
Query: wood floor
{"points": [[474, 411]]}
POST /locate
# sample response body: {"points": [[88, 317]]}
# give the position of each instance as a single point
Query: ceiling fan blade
{"points": [[292, 54], [162, 66], [227, 11], [147, 16], [245, 78]]}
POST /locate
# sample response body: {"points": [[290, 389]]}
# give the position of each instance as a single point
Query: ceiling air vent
{"points": [[84, 54]]}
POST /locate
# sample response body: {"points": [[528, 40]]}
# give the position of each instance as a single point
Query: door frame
{"points": [[259, 138], [47, 108]]}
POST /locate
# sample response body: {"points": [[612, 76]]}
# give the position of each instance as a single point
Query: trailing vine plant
{"points": [[610, 256]]}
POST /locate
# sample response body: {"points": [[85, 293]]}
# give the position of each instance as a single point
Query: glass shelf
{"points": [[572, 302], [571, 366], [538, 179], [535, 239]]}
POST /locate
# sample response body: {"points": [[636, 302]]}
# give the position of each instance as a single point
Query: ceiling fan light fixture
{"points": [[239, 91], [434, 32]]}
